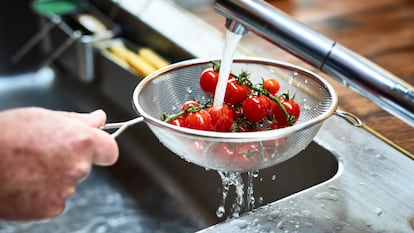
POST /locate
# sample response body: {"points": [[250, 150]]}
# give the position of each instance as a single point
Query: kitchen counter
{"points": [[379, 30]]}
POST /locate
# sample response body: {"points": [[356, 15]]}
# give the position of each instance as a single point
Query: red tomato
{"points": [[256, 108], [247, 126], [273, 106], [243, 155], [196, 146], [237, 111], [222, 118], [235, 93], [271, 147], [271, 85], [247, 154], [208, 80], [277, 125], [179, 121], [292, 108], [200, 120], [189, 103], [224, 151]]}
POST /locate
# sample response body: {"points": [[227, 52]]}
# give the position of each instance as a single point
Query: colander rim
{"points": [[235, 136]]}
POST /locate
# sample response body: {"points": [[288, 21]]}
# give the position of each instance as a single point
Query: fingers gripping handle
{"points": [[121, 126]]}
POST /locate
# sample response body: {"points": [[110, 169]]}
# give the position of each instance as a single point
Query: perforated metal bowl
{"points": [[167, 89]]}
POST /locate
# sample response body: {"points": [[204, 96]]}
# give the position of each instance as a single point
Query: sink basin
{"points": [[149, 184]]}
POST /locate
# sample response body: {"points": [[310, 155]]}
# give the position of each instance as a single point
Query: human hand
{"points": [[44, 154]]}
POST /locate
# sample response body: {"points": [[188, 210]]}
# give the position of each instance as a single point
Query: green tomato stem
{"points": [[169, 118]]}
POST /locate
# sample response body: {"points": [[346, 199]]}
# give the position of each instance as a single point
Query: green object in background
{"points": [[57, 7]]}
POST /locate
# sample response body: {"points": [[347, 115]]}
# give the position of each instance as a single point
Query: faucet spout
{"points": [[363, 76], [235, 27]]}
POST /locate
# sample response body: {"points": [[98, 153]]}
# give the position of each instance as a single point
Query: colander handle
{"points": [[121, 126], [351, 118]]}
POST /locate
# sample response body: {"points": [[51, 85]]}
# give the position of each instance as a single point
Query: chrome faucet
{"points": [[380, 86]]}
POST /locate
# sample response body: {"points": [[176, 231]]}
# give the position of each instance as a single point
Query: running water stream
{"points": [[231, 42], [229, 179]]}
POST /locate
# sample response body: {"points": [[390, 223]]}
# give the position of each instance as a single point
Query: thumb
{"points": [[95, 119]]}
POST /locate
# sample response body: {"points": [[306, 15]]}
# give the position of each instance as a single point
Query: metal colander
{"points": [[167, 89]]}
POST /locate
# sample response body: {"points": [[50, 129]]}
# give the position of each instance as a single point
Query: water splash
{"points": [[229, 179], [243, 201]]}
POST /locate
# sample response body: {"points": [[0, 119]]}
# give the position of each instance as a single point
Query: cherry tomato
{"points": [[235, 93], [222, 118], [223, 151], [190, 103], [196, 146], [208, 80], [200, 120], [271, 85], [247, 155], [244, 155], [277, 125], [292, 108], [272, 147], [237, 111], [247, 126], [179, 121], [256, 108]]}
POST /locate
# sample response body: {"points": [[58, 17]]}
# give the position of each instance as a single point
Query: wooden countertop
{"points": [[380, 30]]}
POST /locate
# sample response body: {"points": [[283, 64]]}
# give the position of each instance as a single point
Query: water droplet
{"points": [[281, 225], [291, 77], [333, 187], [380, 156], [241, 224], [374, 174], [378, 211], [308, 224], [220, 211], [327, 196], [306, 213]]}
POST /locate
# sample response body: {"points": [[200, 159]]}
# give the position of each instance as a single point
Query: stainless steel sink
{"points": [[325, 188], [149, 185]]}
